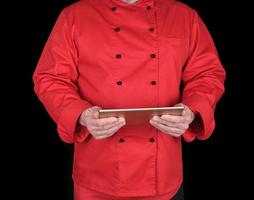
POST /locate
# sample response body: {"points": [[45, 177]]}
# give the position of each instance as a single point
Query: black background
{"points": [[213, 169]]}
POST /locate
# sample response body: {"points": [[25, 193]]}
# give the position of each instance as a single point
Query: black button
{"points": [[117, 29], [148, 7], [113, 8], [118, 56], [152, 140], [151, 29], [119, 83], [121, 140], [152, 55], [153, 82]]}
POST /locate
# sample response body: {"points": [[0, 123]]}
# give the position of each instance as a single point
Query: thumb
{"points": [[95, 112], [184, 110]]}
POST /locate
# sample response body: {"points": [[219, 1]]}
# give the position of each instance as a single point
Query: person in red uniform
{"points": [[129, 54]]}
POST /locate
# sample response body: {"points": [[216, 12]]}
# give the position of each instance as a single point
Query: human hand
{"points": [[100, 128], [174, 125]]}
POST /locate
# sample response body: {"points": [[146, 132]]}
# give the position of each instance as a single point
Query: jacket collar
{"points": [[138, 2]]}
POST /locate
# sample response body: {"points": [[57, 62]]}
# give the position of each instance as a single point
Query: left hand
{"points": [[174, 125]]}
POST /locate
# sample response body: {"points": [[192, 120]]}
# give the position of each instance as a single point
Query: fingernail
{"points": [[155, 118], [114, 119], [122, 124], [121, 119]]}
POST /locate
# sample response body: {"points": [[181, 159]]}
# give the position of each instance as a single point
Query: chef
{"points": [[129, 54]]}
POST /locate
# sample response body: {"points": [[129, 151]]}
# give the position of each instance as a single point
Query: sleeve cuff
{"points": [[81, 133], [203, 126], [67, 126]]}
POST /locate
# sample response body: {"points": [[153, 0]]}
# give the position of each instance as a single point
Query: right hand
{"points": [[100, 128]]}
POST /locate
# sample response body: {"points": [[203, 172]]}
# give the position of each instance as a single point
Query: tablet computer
{"points": [[140, 115]]}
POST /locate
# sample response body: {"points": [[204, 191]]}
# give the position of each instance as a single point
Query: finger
{"points": [[93, 111], [173, 118], [163, 131], [109, 131], [163, 121], [184, 112], [109, 126], [104, 121], [156, 125], [96, 115], [167, 129], [175, 135], [179, 104], [116, 128], [182, 126], [101, 137], [187, 112], [96, 112]]}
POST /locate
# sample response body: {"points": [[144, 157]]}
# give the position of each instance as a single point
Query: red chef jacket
{"points": [[117, 55]]}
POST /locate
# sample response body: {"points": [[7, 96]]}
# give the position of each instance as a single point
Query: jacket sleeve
{"points": [[55, 81], [203, 81]]}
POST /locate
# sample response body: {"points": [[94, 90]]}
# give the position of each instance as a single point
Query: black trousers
{"points": [[179, 195]]}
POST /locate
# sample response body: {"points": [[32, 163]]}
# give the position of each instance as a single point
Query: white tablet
{"points": [[140, 115]]}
